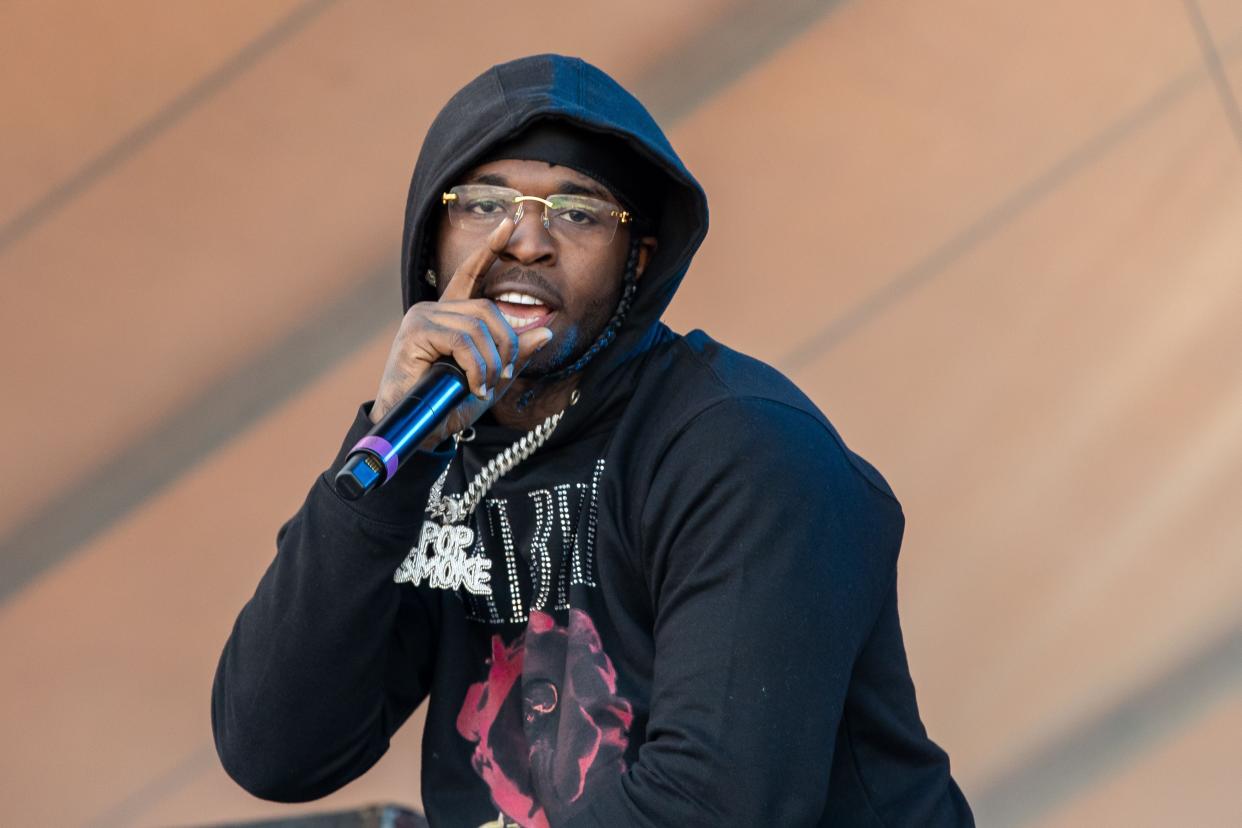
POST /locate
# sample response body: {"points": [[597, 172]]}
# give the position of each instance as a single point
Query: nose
{"points": [[531, 243]]}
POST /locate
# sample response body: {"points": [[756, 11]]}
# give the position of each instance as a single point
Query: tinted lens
{"points": [[574, 219], [480, 208], [583, 220]]}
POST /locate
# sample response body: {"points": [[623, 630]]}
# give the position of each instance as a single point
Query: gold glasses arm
{"points": [[445, 198]]}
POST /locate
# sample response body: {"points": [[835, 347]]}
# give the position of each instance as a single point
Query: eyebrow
{"points": [[573, 188], [489, 178], [565, 187]]}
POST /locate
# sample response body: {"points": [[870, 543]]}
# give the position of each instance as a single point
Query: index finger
{"points": [[463, 281]]}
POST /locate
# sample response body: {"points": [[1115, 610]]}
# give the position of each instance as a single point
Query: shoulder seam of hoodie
{"points": [[732, 395], [641, 511]]}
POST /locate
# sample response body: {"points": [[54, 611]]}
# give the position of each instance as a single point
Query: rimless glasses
{"points": [[574, 219]]}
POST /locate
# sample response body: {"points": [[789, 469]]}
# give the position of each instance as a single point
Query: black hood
{"points": [[502, 102]]}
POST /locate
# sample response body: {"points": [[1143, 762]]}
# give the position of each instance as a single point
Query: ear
{"points": [[646, 249]]}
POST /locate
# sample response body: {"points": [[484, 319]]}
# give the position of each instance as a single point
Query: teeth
{"points": [[513, 297], [516, 322]]}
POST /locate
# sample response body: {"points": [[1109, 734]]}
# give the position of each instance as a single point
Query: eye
{"points": [[485, 207], [578, 217]]}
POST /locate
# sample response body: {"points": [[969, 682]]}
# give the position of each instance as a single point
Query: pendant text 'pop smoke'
{"points": [[450, 567]]}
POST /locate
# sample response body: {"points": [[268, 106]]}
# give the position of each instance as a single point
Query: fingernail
{"points": [[546, 333], [482, 392], [508, 372]]}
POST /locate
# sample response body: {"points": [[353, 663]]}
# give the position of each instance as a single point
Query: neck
{"points": [[547, 400]]}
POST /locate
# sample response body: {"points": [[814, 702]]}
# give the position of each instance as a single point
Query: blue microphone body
{"points": [[376, 457]]}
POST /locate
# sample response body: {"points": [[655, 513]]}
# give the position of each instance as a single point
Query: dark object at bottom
{"points": [[372, 816]]}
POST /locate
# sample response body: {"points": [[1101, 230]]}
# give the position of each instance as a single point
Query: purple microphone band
{"points": [[381, 447]]}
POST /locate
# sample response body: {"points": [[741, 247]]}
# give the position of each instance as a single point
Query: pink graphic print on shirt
{"points": [[547, 720]]}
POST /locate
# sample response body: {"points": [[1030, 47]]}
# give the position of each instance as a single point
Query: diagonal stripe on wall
{"points": [[721, 52]]}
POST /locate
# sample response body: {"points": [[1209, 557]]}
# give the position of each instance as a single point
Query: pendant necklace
{"points": [[440, 557]]}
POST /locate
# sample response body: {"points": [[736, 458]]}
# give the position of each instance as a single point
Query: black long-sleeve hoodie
{"points": [[692, 616]]}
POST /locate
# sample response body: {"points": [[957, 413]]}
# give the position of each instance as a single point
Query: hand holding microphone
{"points": [[449, 361]]}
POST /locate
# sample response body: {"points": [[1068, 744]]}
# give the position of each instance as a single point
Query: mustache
{"points": [[519, 276]]}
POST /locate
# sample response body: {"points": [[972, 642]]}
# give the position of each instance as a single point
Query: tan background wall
{"points": [[1015, 288]]}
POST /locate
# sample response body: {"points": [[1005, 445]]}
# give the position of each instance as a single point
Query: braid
{"points": [[629, 286]]}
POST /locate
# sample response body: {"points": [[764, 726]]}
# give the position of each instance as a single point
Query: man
{"points": [[644, 583]]}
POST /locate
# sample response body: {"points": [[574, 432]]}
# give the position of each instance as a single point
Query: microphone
{"points": [[376, 457]]}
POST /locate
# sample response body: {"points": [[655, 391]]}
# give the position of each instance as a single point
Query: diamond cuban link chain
{"points": [[451, 509]]}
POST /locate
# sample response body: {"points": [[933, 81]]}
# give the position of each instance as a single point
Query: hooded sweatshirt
{"points": [[690, 615]]}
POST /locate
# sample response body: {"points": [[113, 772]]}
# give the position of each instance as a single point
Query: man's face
{"points": [[574, 288]]}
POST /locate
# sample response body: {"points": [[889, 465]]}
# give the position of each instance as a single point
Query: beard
{"points": [[573, 342]]}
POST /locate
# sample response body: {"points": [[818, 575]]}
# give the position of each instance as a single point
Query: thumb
{"points": [[529, 342]]}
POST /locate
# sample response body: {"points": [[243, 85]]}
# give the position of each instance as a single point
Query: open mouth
{"points": [[522, 310]]}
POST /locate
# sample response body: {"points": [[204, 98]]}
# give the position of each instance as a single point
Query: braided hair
{"points": [[629, 287]]}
